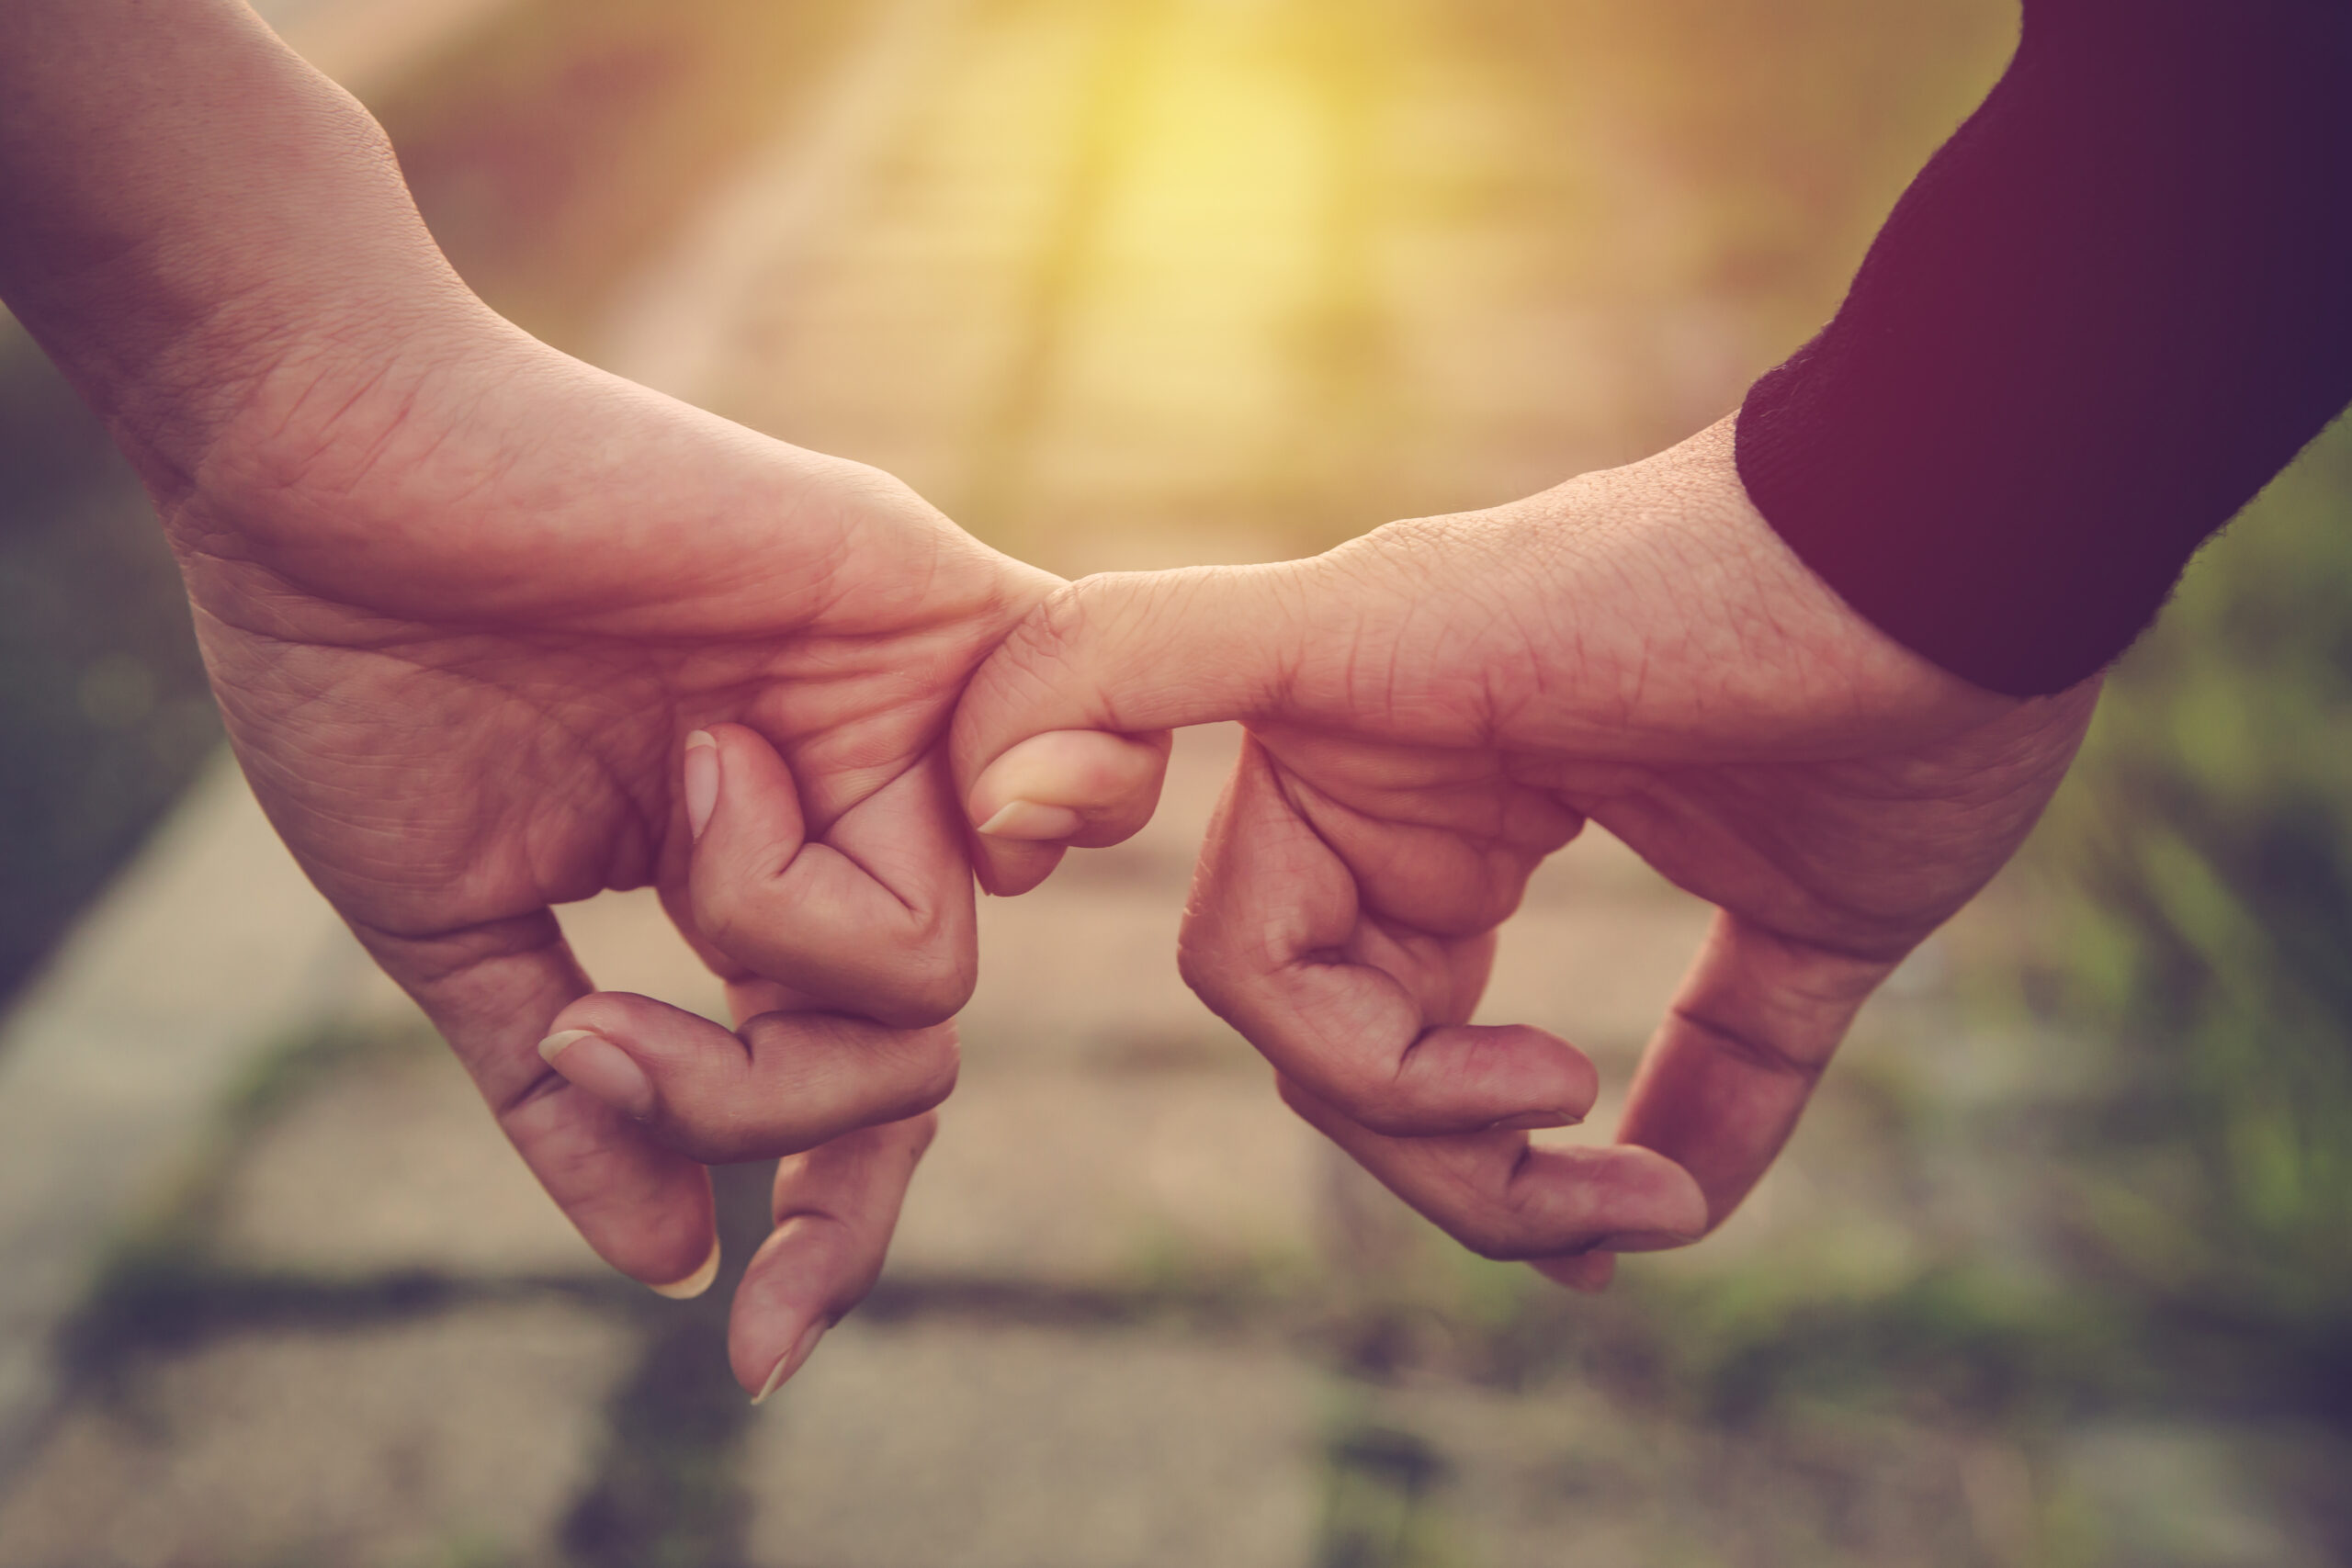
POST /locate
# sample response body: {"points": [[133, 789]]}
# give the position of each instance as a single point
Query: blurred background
{"points": [[2058, 1272]]}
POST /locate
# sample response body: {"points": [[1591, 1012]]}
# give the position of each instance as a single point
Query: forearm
{"points": [[2104, 316], [187, 209]]}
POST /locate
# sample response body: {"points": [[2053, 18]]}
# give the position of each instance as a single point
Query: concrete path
{"points": [[211, 952]]}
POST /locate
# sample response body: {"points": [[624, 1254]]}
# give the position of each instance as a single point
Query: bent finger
{"points": [[835, 1207], [1275, 940], [1729, 1071], [1129, 655], [494, 990], [875, 917], [1504, 1197], [1065, 789], [785, 1083]]}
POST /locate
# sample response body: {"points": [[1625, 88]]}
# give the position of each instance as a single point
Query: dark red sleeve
{"points": [[2112, 307]]}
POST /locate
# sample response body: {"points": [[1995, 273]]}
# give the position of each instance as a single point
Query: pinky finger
{"points": [[835, 1207]]}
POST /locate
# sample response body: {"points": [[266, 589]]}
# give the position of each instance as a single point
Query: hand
{"points": [[463, 607], [465, 600], [1434, 708]]}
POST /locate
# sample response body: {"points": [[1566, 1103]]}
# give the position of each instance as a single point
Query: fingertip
{"points": [[1029, 821], [1586, 1273], [694, 1284], [1008, 868], [1086, 787], [1664, 1208], [599, 1066], [792, 1360]]}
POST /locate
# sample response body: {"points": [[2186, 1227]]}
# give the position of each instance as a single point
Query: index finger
{"points": [[493, 991], [1369, 1016], [1504, 1197]]}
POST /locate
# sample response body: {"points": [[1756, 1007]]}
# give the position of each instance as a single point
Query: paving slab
{"points": [[457, 1438], [964, 1446], [393, 1164], [1111, 1181], [1562, 1475], [2173, 1494], [211, 951], [1599, 971]]}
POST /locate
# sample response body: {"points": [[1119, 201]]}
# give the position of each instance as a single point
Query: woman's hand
{"points": [[1436, 706]]}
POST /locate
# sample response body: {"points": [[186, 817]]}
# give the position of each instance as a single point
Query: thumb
{"points": [[1062, 739]]}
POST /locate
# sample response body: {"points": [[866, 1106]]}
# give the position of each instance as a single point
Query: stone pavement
{"points": [[1124, 284]]}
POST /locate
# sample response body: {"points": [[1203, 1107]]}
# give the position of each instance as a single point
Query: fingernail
{"points": [[1587, 1273], [694, 1284], [791, 1363], [701, 780], [1535, 1122], [1593, 1283], [1028, 821], [563, 1040], [586, 1058]]}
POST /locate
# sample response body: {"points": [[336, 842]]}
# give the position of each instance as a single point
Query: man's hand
{"points": [[463, 617], [465, 601], [1438, 704]]}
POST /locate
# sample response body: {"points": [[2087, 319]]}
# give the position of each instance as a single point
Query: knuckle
{"points": [[936, 1079], [877, 486], [1213, 965], [927, 989], [922, 1127], [1378, 1102], [1070, 622], [723, 915], [1051, 631], [1202, 958]]}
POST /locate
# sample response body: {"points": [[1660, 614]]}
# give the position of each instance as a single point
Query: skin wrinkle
{"points": [[1751, 1049], [1798, 869], [1631, 702], [1339, 958], [256, 463], [926, 920], [330, 437], [585, 742], [222, 350], [1496, 1222], [731, 926], [832, 563]]}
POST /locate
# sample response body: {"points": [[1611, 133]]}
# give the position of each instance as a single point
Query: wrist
{"points": [[328, 423], [1656, 607], [187, 210]]}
